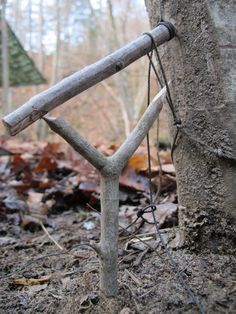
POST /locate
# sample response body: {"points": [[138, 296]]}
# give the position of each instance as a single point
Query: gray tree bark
{"points": [[201, 62]]}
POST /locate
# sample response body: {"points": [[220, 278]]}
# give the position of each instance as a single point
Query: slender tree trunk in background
{"points": [[42, 127], [94, 31], [139, 100], [16, 13], [124, 23], [201, 63], [121, 81], [42, 130], [6, 99], [55, 69], [41, 30], [35, 89], [118, 99], [104, 114], [30, 26]]}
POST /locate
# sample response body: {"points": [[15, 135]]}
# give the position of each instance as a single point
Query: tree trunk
{"points": [[201, 63], [30, 28], [16, 13], [55, 70], [6, 99], [121, 81], [41, 128], [41, 35]]}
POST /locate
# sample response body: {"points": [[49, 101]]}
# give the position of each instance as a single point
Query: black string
{"points": [[161, 10], [218, 152], [168, 98], [147, 137], [177, 121]]}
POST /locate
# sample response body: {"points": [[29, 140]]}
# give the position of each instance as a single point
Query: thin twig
{"points": [[133, 277], [50, 237], [133, 296]]}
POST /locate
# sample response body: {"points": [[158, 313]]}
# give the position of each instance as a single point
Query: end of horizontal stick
{"points": [[7, 127], [15, 123]]}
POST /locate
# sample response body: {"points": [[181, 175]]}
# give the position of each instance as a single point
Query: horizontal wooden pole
{"points": [[41, 104]]}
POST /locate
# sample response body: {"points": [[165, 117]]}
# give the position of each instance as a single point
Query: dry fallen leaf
{"points": [[46, 163], [168, 168], [32, 281], [138, 162], [34, 197]]}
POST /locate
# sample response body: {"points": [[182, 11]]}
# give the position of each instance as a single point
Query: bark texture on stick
{"points": [[40, 105], [126, 150], [201, 62], [109, 234]]}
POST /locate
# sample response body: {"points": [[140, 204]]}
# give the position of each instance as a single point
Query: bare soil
{"points": [[147, 282]]}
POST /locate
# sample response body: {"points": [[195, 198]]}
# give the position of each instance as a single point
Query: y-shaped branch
{"points": [[89, 152], [110, 169]]}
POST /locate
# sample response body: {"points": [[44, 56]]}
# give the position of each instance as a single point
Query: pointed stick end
{"points": [[51, 122], [49, 119]]}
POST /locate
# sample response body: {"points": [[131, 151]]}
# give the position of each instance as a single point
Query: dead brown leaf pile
{"points": [[39, 179]]}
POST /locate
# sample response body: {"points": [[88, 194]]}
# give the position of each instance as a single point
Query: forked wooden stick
{"points": [[110, 169]]}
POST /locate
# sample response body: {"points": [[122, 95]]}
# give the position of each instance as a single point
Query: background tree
{"points": [[5, 61]]}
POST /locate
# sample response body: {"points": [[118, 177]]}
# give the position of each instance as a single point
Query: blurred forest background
{"points": [[64, 36]]}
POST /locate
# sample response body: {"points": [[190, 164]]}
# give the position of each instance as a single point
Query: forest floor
{"points": [[47, 230]]}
